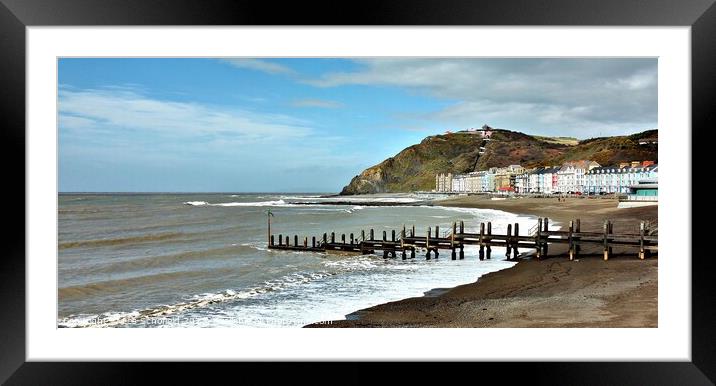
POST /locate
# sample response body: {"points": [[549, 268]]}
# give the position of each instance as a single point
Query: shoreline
{"points": [[553, 292]]}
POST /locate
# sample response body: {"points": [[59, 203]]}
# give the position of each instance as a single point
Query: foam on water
{"points": [[196, 203]]}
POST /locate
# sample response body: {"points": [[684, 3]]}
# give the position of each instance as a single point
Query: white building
{"points": [[459, 183], [443, 182], [525, 181], [473, 182], [571, 176]]}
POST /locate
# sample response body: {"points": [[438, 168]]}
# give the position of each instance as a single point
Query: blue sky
{"points": [[310, 125]]}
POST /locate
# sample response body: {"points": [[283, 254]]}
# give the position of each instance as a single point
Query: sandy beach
{"points": [[553, 292]]}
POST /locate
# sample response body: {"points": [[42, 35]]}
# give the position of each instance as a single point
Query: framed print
{"points": [[430, 181]]}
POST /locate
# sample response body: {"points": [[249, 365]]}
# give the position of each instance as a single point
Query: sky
{"points": [[311, 124]]}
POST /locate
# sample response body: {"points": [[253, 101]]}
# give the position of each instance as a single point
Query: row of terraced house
{"points": [[575, 177]]}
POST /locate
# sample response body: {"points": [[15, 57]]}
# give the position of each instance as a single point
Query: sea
{"points": [[201, 260]]}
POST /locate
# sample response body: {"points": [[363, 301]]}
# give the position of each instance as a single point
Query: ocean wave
{"points": [[396, 200], [358, 263], [279, 203], [354, 208], [121, 240], [119, 285], [258, 203], [236, 203], [116, 318], [167, 260], [260, 246]]}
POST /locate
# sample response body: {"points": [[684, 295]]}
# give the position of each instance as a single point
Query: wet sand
{"points": [[553, 292]]}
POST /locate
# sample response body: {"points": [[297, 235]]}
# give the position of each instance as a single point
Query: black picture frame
{"points": [[16, 15]]}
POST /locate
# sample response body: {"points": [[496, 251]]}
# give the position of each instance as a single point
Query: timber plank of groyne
{"points": [[456, 239]]}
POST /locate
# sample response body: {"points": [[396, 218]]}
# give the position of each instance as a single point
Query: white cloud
{"points": [[260, 65], [583, 96], [123, 110], [320, 103]]}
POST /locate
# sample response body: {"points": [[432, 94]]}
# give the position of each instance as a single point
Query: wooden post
{"points": [[482, 241], [325, 239], [280, 239], [538, 244], [351, 238], [402, 255], [385, 236], [545, 245], [427, 245], [271, 240], [489, 238], [570, 242], [371, 234], [577, 247], [333, 237], [392, 235], [385, 253], [641, 240], [462, 251], [295, 240], [452, 242], [508, 241], [412, 232], [647, 227], [454, 227], [515, 250], [611, 232], [462, 227], [268, 218], [305, 242], [412, 253], [343, 238], [362, 235], [313, 241], [606, 241], [437, 232]]}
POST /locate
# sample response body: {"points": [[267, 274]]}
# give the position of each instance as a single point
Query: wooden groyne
{"points": [[407, 242]]}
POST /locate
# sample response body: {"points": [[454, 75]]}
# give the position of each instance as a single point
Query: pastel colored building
{"points": [[613, 179]]}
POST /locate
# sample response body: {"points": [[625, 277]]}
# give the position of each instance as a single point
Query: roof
{"points": [[581, 164], [548, 171], [626, 169]]}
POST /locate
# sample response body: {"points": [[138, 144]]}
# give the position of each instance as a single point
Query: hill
{"points": [[415, 167]]}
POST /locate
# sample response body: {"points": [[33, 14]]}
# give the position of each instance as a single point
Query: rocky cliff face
{"points": [[415, 167]]}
